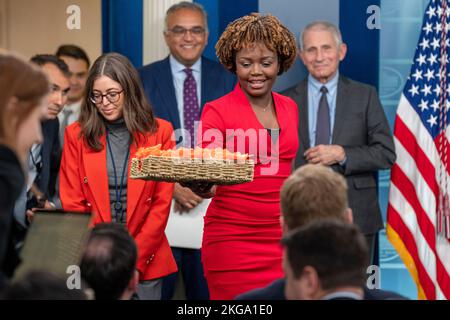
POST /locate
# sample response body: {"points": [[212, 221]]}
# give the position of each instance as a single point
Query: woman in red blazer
{"points": [[116, 120]]}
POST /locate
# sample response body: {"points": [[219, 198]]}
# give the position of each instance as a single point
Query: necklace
{"points": [[267, 107]]}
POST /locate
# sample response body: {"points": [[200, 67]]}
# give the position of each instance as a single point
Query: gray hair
{"points": [[322, 26], [186, 5]]}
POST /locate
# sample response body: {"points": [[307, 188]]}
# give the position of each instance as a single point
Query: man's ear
{"points": [[166, 37], [349, 215], [133, 284], [284, 227], [342, 51], [311, 282]]}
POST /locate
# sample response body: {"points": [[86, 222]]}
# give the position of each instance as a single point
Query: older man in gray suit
{"points": [[342, 124]]}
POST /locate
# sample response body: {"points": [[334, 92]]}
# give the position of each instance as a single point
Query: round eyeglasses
{"points": [[112, 97], [181, 32]]}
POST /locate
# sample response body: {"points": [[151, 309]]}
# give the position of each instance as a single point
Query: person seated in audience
{"points": [[325, 260], [108, 264], [23, 94], [43, 285], [312, 192]]}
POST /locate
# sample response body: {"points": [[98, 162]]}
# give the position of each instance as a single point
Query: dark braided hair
{"points": [[255, 28]]}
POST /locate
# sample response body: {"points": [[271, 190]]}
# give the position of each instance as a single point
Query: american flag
{"points": [[418, 221]]}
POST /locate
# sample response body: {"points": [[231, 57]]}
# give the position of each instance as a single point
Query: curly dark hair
{"points": [[254, 28]]}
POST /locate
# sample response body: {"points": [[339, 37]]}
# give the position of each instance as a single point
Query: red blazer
{"points": [[84, 187]]}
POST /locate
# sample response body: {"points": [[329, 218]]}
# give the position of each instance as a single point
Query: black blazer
{"points": [[159, 88], [12, 180], [51, 157], [362, 129]]}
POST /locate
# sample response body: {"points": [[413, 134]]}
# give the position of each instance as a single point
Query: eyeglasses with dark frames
{"points": [[111, 96], [180, 31]]}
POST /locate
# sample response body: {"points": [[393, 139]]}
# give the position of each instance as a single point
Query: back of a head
{"points": [[42, 285], [73, 51], [109, 261], [335, 249], [23, 81], [313, 192]]}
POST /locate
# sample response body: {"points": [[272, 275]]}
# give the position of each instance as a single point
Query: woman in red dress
{"points": [[242, 230]]}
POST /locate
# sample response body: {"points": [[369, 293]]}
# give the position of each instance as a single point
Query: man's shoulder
{"points": [[344, 82], [154, 67], [50, 127], [378, 294], [273, 291], [211, 63], [296, 89], [354, 85], [214, 67], [50, 123]]}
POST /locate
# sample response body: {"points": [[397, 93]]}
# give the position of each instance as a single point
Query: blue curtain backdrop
{"points": [[362, 60], [220, 14], [122, 28]]}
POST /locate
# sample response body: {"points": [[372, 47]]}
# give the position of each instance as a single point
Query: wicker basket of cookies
{"points": [[218, 166]]}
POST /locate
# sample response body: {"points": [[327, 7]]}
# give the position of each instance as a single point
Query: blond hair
{"points": [[313, 192]]}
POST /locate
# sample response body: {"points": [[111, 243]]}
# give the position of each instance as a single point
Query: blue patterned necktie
{"points": [[323, 119], [191, 111]]}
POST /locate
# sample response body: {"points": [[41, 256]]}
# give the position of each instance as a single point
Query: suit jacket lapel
{"points": [[135, 187], [168, 91], [95, 167], [341, 102], [302, 90]]}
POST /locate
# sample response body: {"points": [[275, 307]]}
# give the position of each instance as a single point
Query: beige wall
{"points": [[30, 27]]}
